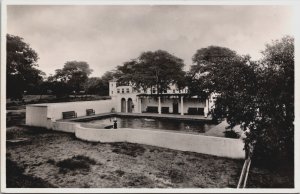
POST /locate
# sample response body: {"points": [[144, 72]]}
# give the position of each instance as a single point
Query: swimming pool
{"points": [[154, 123]]}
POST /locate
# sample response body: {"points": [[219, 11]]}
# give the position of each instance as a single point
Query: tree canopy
{"points": [[257, 95], [100, 86], [72, 76], [210, 66], [276, 100], [21, 71], [152, 69]]}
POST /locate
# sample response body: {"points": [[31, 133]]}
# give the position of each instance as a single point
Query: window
{"points": [[118, 90], [112, 92], [153, 91], [173, 91], [122, 90], [127, 90]]}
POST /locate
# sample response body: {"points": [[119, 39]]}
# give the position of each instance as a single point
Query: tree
{"points": [[93, 85], [257, 96], [209, 65], [276, 99], [152, 69], [72, 76], [21, 71]]}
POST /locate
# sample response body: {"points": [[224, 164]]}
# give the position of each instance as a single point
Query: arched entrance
{"points": [[123, 105], [129, 105]]}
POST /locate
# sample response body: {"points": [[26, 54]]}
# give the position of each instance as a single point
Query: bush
{"points": [[76, 162], [51, 161], [129, 149], [176, 176], [16, 179], [231, 134]]}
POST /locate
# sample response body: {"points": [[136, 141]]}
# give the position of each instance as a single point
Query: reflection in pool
{"points": [[155, 123]]}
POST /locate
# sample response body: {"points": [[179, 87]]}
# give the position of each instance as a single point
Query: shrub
{"points": [[176, 176], [120, 172], [51, 161], [16, 179], [231, 134], [76, 162], [129, 149]]}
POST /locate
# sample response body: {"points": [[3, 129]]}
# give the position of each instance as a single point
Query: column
{"points": [[159, 106], [126, 105], [206, 108], [140, 105], [181, 105]]}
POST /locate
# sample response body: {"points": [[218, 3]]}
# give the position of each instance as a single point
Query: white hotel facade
{"points": [[172, 101]]}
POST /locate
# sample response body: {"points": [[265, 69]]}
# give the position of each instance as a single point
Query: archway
{"points": [[123, 105], [129, 105]]}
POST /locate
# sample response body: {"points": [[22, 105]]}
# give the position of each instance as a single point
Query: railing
{"points": [[244, 174]]}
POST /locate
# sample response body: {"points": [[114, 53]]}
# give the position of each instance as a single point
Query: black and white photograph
{"points": [[125, 96]]}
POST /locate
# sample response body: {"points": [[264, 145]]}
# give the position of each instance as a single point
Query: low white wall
{"points": [[100, 106], [43, 114], [218, 146], [65, 126], [223, 147]]}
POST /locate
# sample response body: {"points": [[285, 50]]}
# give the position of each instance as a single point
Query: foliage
{"points": [[276, 100], [16, 177], [129, 149], [92, 85], [156, 69], [22, 73], [208, 62], [70, 78], [75, 163], [258, 96], [100, 86], [231, 134]]}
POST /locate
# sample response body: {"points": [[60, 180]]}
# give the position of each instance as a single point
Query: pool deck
{"points": [[148, 115]]}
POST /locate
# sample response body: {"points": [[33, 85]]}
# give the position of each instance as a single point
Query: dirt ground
{"points": [[116, 164], [33, 162]]}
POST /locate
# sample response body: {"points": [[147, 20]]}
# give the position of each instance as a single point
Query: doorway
{"points": [[129, 105], [123, 105], [175, 108]]}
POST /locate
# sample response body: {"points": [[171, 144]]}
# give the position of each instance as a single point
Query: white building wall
{"points": [[112, 88], [165, 102], [127, 96]]}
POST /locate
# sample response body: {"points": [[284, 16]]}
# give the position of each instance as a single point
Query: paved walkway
{"points": [[171, 116], [219, 130], [149, 115]]}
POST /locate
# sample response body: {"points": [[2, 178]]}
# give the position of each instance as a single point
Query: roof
{"points": [[168, 94]]}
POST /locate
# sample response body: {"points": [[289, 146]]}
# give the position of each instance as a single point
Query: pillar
{"points": [[139, 102], [206, 108], [159, 106], [181, 105], [126, 105]]}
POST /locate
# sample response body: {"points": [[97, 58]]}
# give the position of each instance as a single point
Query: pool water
{"points": [[154, 123]]}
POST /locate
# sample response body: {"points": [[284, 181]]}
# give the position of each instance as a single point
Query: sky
{"points": [[106, 36]]}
